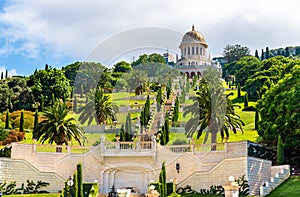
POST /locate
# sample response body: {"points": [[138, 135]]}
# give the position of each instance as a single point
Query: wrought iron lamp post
{"points": [[70, 184]]}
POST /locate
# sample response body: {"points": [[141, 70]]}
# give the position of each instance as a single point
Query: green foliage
{"points": [[170, 188], [256, 54], [79, 180], [22, 121], [243, 185], [58, 127], [5, 152], [279, 109], [7, 120], [122, 66], [289, 188], [159, 98], [42, 103], [93, 192], [245, 68], [75, 184], [98, 107], [280, 152], [209, 106], [235, 52], [128, 125], [175, 117], [70, 71], [15, 119], [36, 119], [152, 58], [165, 132], [47, 82], [214, 189], [145, 114], [239, 90], [267, 74], [162, 181], [246, 102], [256, 119], [30, 188]]}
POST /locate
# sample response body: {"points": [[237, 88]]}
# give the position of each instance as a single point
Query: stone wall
{"points": [[258, 171], [20, 171], [200, 169]]}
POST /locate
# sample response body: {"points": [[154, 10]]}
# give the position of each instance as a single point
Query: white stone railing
{"points": [[127, 146], [198, 148]]}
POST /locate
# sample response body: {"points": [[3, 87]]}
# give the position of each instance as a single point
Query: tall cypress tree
{"points": [[22, 121], [36, 118], [167, 130], [9, 107], [262, 55], [162, 180], [7, 120], [256, 119], [1, 75], [6, 74], [267, 53], [246, 100], [239, 90], [128, 127], [79, 180], [287, 52], [75, 185], [256, 54], [280, 152], [176, 111]]}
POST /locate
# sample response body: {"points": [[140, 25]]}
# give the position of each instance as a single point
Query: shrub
{"points": [[15, 119], [13, 136]]}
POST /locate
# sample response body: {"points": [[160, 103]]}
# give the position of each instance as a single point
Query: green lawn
{"points": [[290, 188]]}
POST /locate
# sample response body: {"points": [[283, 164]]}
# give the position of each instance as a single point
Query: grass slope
{"points": [[290, 188]]}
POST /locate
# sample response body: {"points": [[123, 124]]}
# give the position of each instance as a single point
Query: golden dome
{"points": [[194, 36]]}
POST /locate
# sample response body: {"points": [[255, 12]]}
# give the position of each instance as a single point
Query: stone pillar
{"points": [[231, 189], [105, 184], [111, 179]]}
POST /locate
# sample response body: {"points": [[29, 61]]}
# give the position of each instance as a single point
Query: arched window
{"points": [[189, 52], [184, 52], [197, 51], [193, 52]]}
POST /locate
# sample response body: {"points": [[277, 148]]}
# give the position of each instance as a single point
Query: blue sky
{"points": [[34, 33]]}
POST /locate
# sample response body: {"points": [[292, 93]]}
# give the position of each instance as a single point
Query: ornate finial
{"points": [[193, 28]]}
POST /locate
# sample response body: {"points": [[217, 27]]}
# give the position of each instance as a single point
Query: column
{"points": [[112, 178], [105, 185]]}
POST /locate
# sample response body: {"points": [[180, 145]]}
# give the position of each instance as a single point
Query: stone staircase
{"points": [[11, 168], [278, 175]]}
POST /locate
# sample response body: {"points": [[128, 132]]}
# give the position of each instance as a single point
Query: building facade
{"points": [[194, 56]]}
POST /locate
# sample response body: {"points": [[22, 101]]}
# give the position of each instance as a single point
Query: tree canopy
{"points": [[154, 57], [279, 108], [235, 52]]}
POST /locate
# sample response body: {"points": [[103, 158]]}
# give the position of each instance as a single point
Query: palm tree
{"points": [[212, 110], [58, 128], [98, 107]]}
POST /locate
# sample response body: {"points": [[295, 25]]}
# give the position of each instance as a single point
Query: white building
{"points": [[194, 54]]}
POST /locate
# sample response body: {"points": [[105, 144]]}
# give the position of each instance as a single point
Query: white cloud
{"points": [[74, 28]]}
